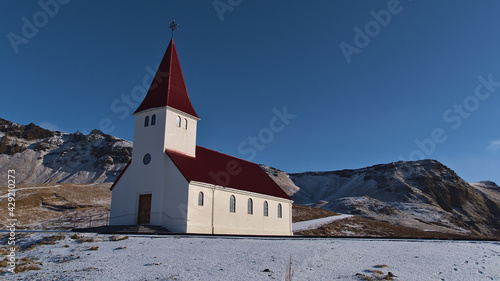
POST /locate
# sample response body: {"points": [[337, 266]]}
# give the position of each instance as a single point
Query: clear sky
{"points": [[315, 85]]}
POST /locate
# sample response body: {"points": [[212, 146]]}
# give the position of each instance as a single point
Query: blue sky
{"points": [[321, 85]]}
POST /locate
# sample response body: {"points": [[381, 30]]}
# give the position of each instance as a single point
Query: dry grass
{"points": [[94, 248], [87, 239], [57, 202], [376, 271], [376, 274], [304, 213], [4, 252], [117, 238], [365, 227], [46, 240], [21, 268], [26, 264]]}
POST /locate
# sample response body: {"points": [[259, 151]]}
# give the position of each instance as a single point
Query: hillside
{"points": [[422, 194], [40, 156]]}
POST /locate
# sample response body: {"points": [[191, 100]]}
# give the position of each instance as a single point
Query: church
{"points": [[174, 183]]}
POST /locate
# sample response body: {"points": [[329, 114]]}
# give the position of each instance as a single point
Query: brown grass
{"points": [[117, 237], [94, 248], [26, 264], [55, 203], [366, 227], [46, 240], [4, 252], [22, 268], [87, 239], [304, 213]]}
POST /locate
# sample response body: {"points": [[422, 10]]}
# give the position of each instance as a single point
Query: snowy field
{"points": [[96, 257]]}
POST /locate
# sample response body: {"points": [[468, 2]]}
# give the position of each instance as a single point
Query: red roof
{"points": [[220, 169], [168, 87]]}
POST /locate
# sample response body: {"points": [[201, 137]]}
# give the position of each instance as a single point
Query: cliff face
{"points": [[422, 194], [42, 156]]}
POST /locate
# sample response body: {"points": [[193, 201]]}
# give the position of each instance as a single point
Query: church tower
{"points": [[166, 118]]}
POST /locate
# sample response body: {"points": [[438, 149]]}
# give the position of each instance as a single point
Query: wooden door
{"points": [[144, 209]]}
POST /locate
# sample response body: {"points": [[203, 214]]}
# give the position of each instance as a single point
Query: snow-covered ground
{"points": [[233, 258], [314, 224]]}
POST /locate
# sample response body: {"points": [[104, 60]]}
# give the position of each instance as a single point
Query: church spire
{"points": [[168, 87]]}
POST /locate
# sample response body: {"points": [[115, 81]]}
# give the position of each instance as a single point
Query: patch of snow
{"points": [[317, 223]]}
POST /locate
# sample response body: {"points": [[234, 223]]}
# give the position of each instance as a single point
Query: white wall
{"points": [[239, 222], [199, 217], [175, 197]]}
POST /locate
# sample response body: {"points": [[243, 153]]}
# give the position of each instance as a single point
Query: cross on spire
{"points": [[172, 25]]}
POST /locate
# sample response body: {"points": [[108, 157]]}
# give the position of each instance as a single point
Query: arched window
{"points": [[280, 211], [200, 199], [178, 124], [232, 204], [185, 124], [146, 121], [266, 209], [250, 206], [153, 119]]}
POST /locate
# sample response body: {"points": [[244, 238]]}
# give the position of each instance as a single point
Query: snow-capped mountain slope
{"points": [[422, 194], [42, 156]]}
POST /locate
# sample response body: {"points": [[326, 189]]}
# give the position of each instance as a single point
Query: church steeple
{"points": [[168, 87]]}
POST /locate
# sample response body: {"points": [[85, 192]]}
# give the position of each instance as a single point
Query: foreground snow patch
{"points": [[317, 223], [95, 257]]}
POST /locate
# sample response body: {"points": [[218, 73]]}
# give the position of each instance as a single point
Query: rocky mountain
{"points": [[42, 156], [421, 194]]}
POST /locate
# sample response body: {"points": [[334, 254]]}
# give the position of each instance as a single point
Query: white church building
{"points": [[185, 188]]}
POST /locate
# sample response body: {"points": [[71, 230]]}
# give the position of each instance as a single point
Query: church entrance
{"points": [[144, 209]]}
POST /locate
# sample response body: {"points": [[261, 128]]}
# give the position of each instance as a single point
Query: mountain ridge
{"points": [[424, 194], [41, 156]]}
